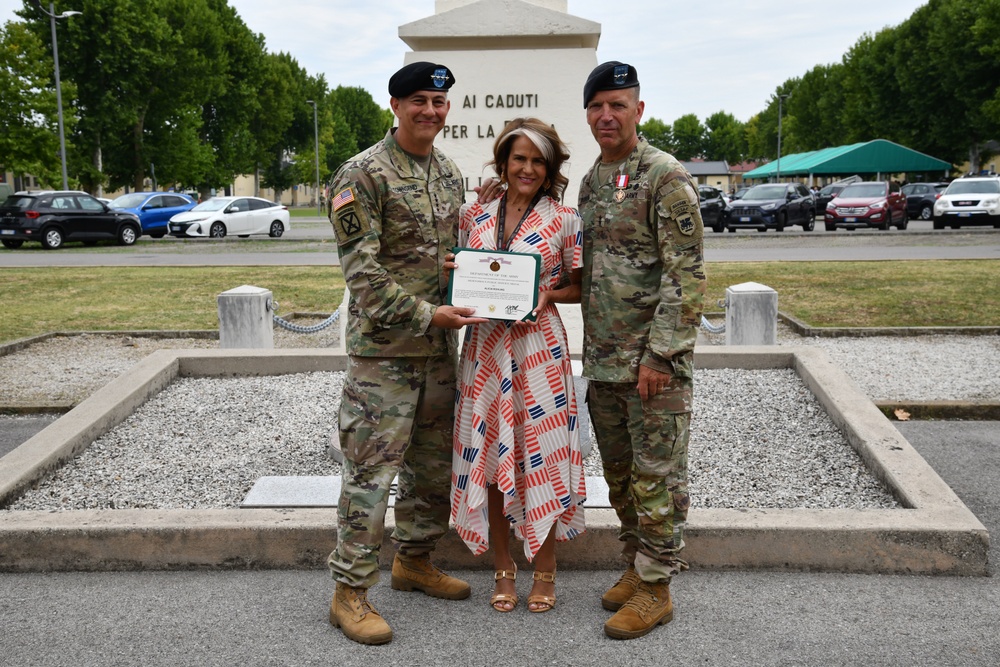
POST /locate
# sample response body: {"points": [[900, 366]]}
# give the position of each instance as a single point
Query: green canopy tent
{"points": [[879, 157]]}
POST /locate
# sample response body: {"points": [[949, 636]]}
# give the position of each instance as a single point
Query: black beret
{"points": [[420, 76], [611, 75]]}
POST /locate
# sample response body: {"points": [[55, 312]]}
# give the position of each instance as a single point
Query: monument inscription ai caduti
{"points": [[510, 58]]}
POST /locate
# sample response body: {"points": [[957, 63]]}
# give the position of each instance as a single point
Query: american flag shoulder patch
{"points": [[343, 198]]}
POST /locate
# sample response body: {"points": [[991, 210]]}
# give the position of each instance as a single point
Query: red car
{"points": [[877, 204]]}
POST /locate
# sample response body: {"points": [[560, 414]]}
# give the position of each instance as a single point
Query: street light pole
{"points": [[55, 57], [319, 204], [777, 166]]}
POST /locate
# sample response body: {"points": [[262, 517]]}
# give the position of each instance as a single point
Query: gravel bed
{"points": [[910, 368], [67, 369], [759, 438]]}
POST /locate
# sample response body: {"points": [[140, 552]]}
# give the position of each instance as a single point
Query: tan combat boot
{"points": [[354, 614], [419, 574], [650, 606], [620, 593]]}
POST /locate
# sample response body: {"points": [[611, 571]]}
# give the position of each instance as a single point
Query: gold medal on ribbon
{"points": [[619, 196]]}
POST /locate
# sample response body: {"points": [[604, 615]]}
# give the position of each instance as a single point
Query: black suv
{"points": [[774, 206], [54, 217], [920, 198], [714, 208]]}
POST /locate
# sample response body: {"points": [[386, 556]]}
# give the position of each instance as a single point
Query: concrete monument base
{"points": [[934, 534]]}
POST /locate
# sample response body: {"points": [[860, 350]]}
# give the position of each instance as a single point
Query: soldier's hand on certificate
{"points": [[490, 189], [651, 382], [455, 317]]}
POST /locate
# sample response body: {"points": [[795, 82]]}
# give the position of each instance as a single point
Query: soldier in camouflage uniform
{"points": [[395, 212], [643, 288]]}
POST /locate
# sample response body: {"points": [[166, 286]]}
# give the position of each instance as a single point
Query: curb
{"points": [[933, 532], [804, 329]]}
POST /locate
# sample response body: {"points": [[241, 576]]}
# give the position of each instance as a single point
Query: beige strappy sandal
{"points": [[498, 598], [549, 601]]}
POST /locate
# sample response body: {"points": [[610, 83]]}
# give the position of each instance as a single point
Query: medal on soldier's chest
{"points": [[621, 182]]}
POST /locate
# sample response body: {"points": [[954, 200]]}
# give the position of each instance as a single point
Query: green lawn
{"points": [[846, 294], [136, 298], [303, 211], [873, 294]]}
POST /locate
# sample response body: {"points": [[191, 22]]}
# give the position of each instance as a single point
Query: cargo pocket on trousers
{"points": [[360, 413]]}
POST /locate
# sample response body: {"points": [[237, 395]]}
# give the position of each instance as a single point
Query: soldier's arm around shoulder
{"points": [[676, 212]]}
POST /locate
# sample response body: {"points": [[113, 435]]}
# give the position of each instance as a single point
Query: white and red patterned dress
{"points": [[516, 418]]}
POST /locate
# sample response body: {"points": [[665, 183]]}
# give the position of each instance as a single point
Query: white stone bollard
{"points": [[751, 315], [246, 318]]}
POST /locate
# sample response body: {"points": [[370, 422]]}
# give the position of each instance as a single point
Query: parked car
{"points": [[827, 193], [920, 198], [878, 204], [154, 209], [739, 194], [241, 216], [53, 217], [831, 190], [774, 206], [714, 207], [969, 201]]}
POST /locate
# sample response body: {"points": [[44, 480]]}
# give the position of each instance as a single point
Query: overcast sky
{"points": [[696, 57]]}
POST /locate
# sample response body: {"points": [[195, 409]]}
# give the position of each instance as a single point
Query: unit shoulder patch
{"points": [[681, 209], [349, 220]]}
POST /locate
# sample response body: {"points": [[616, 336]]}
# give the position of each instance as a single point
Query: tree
{"points": [[951, 90], [762, 138], [367, 120], [227, 117], [29, 140], [291, 127], [724, 139], [658, 134], [816, 107], [689, 137], [756, 150], [871, 91]]}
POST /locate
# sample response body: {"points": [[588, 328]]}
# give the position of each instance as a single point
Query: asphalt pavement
{"points": [[311, 243], [207, 618]]}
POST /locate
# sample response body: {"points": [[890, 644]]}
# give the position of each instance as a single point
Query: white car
{"points": [[969, 201], [240, 216]]}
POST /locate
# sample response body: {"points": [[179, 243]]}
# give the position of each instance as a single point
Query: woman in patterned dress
{"points": [[517, 458]]}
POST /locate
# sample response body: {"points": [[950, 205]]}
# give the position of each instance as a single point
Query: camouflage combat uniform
{"points": [[643, 288], [394, 223]]}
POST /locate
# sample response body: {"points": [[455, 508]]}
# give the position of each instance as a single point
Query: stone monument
{"points": [[510, 58]]}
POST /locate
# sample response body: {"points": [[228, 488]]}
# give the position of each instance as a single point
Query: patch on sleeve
{"points": [[343, 198], [349, 219], [685, 224], [679, 208]]}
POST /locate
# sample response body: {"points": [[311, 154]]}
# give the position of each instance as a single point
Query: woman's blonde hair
{"points": [[546, 140]]}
